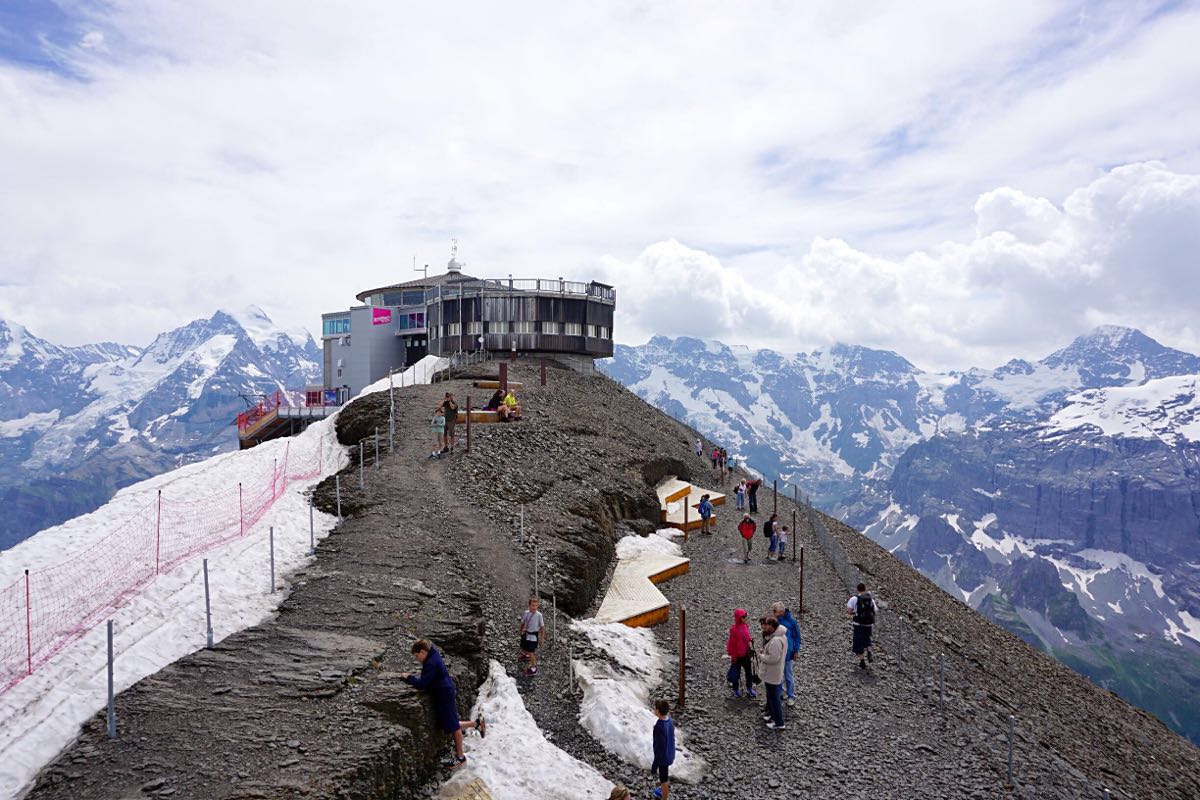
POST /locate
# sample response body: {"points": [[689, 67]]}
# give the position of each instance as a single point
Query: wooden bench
{"points": [[478, 416], [514, 385]]}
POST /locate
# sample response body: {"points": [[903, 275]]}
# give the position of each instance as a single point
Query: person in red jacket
{"points": [[746, 528], [739, 647]]}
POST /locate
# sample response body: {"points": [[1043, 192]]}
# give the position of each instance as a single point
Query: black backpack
{"points": [[864, 611]]}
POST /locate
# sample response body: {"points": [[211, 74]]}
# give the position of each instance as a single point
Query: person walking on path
{"points": [[699, 449], [781, 551], [532, 624], [436, 680], [861, 608], [746, 529], [450, 412], [772, 659], [769, 530], [716, 454], [752, 491], [794, 640], [438, 426], [739, 494], [664, 748], [706, 511], [739, 647]]}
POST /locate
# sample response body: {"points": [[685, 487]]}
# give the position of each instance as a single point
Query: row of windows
{"points": [[335, 327], [553, 328]]}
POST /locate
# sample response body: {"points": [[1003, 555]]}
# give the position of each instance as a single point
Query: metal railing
{"points": [[527, 285]]}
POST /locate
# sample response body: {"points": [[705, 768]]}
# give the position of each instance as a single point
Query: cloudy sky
{"points": [[959, 182]]}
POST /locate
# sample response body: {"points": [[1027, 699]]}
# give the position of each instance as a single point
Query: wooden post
{"points": [[682, 654], [468, 423], [685, 519], [503, 377]]}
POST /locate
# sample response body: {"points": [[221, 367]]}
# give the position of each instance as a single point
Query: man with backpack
{"points": [[861, 608], [706, 511]]}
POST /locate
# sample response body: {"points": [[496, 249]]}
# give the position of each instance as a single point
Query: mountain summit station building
{"points": [[451, 314]]}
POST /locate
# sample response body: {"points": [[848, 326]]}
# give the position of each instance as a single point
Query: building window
{"points": [[552, 327], [335, 327], [603, 332], [573, 329], [523, 327], [474, 328], [453, 329], [497, 327], [591, 331]]}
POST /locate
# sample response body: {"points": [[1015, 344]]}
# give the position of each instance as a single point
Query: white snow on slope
{"points": [[616, 705], [43, 713], [1167, 409], [1027, 390], [515, 760], [33, 422], [262, 331]]}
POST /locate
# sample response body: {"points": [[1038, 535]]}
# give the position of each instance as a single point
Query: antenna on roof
{"points": [[454, 265], [423, 270]]}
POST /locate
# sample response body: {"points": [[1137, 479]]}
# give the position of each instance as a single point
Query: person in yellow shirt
{"points": [[512, 407]]}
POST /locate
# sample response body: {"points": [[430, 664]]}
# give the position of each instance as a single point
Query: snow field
{"points": [[515, 759], [616, 708]]}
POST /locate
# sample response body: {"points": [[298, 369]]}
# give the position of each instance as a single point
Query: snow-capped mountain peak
{"points": [[259, 326], [1167, 409]]}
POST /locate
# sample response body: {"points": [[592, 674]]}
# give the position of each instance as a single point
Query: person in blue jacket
{"points": [[789, 623], [436, 680], [664, 748]]}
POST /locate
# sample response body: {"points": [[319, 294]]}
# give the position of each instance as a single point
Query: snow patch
{"points": [[30, 423]]}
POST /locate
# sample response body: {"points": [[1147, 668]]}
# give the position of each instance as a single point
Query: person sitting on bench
{"points": [[510, 409], [496, 401]]}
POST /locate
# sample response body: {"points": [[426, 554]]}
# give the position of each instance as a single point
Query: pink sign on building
{"points": [[381, 316]]}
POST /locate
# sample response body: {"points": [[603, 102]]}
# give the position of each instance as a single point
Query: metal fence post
{"points": [[312, 534], [112, 712], [28, 627], [1012, 729], [271, 539], [376, 448], [337, 484], [795, 536], [801, 579], [775, 496], [392, 412], [682, 654], [207, 608]]}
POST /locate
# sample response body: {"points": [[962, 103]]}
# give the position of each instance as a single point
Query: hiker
{"points": [[739, 494], [861, 608], [435, 679], [706, 511], [752, 491], [773, 538], [716, 454], [438, 426], [450, 412], [664, 748], [746, 528], [495, 402], [619, 792], [794, 640], [773, 657], [513, 407], [531, 635], [781, 551], [699, 449], [739, 647]]}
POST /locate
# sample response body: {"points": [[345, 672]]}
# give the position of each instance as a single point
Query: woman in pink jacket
{"points": [[739, 648]]}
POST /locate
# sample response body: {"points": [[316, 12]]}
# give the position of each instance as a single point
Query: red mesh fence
{"points": [[47, 609]]}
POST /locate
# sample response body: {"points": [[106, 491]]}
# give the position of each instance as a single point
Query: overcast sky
{"points": [[960, 182]]}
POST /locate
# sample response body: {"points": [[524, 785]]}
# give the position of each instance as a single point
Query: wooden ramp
{"points": [[674, 495], [475, 790], [632, 596]]}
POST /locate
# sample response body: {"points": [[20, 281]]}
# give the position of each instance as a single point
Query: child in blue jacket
{"points": [[664, 747]]}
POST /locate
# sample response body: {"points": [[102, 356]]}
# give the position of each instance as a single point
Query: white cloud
{"points": [[217, 155], [1121, 249]]}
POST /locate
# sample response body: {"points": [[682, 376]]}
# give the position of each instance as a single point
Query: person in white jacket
{"points": [[771, 663]]}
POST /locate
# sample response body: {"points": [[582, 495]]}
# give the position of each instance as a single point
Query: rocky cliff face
{"points": [[1078, 473], [79, 423]]}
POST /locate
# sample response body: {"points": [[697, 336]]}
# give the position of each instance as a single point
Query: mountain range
{"points": [[1059, 497], [79, 423]]}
